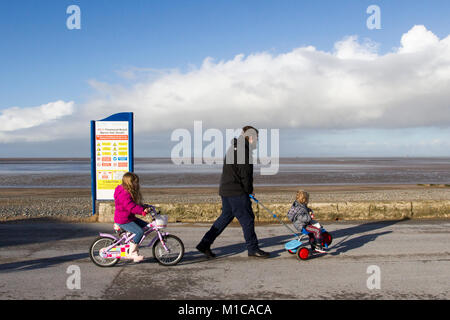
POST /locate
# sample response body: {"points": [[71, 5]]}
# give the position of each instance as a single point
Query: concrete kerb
{"points": [[208, 212]]}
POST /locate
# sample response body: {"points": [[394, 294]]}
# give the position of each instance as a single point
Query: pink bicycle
{"points": [[167, 249]]}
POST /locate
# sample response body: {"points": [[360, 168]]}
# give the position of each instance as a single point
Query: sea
{"points": [[163, 172]]}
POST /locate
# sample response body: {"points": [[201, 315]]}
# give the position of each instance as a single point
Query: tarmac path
{"points": [[408, 259]]}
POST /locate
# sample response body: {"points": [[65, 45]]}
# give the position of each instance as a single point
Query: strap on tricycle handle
{"points": [[274, 215]]}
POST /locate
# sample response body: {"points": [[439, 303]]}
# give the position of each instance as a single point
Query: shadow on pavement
{"points": [[40, 263], [347, 243], [337, 247], [355, 242], [224, 252], [40, 230], [234, 249]]}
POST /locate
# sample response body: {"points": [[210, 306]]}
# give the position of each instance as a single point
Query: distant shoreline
{"points": [[294, 185], [162, 173], [168, 159]]}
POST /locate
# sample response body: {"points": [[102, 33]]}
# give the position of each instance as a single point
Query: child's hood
{"points": [[301, 207], [298, 204]]}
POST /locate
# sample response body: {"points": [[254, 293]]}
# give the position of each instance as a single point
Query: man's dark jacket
{"points": [[237, 173]]}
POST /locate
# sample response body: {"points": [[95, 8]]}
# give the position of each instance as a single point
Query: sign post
{"points": [[112, 154]]}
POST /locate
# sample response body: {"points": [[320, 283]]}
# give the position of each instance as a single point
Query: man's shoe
{"points": [[259, 254], [206, 251]]}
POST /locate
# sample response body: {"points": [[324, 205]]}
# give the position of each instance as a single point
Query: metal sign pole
{"points": [[93, 168]]}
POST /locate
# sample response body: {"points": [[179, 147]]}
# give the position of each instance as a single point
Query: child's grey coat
{"points": [[300, 215]]}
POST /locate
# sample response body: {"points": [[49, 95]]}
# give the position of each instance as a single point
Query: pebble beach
{"points": [[60, 188], [75, 204]]}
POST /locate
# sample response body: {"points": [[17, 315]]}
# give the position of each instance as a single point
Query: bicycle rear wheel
{"points": [[174, 252], [94, 252]]}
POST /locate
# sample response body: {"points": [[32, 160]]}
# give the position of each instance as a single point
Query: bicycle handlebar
{"points": [[153, 211]]}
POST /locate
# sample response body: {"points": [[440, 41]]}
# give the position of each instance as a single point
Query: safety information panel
{"points": [[112, 156]]}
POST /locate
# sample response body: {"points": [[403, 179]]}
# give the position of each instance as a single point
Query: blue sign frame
{"points": [[123, 116]]}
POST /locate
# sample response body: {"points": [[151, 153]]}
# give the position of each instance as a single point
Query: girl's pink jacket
{"points": [[126, 208]]}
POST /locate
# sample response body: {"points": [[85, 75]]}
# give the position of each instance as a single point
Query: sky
{"points": [[311, 69]]}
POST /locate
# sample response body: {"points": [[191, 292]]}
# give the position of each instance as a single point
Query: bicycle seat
{"points": [[117, 228]]}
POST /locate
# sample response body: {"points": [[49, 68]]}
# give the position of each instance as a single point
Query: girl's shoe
{"points": [[134, 253]]}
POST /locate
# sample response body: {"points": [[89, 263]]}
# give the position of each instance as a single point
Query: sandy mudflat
{"points": [[75, 203]]}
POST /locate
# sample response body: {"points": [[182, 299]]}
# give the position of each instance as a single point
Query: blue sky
{"points": [[42, 61]]}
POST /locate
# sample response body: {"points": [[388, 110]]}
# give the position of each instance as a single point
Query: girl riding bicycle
{"points": [[128, 203]]}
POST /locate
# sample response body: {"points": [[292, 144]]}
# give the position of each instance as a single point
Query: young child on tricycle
{"points": [[302, 217]]}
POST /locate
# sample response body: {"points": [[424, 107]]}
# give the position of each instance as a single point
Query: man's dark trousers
{"points": [[239, 207]]}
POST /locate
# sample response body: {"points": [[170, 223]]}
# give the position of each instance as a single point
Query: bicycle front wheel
{"points": [[174, 252]]}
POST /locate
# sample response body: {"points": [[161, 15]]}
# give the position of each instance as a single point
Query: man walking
{"points": [[236, 184]]}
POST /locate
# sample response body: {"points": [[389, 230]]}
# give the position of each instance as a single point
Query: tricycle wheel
{"points": [[326, 239], [303, 254], [292, 251]]}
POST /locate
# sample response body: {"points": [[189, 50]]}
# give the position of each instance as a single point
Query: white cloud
{"points": [[350, 48], [351, 87], [16, 118], [418, 39], [34, 123]]}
